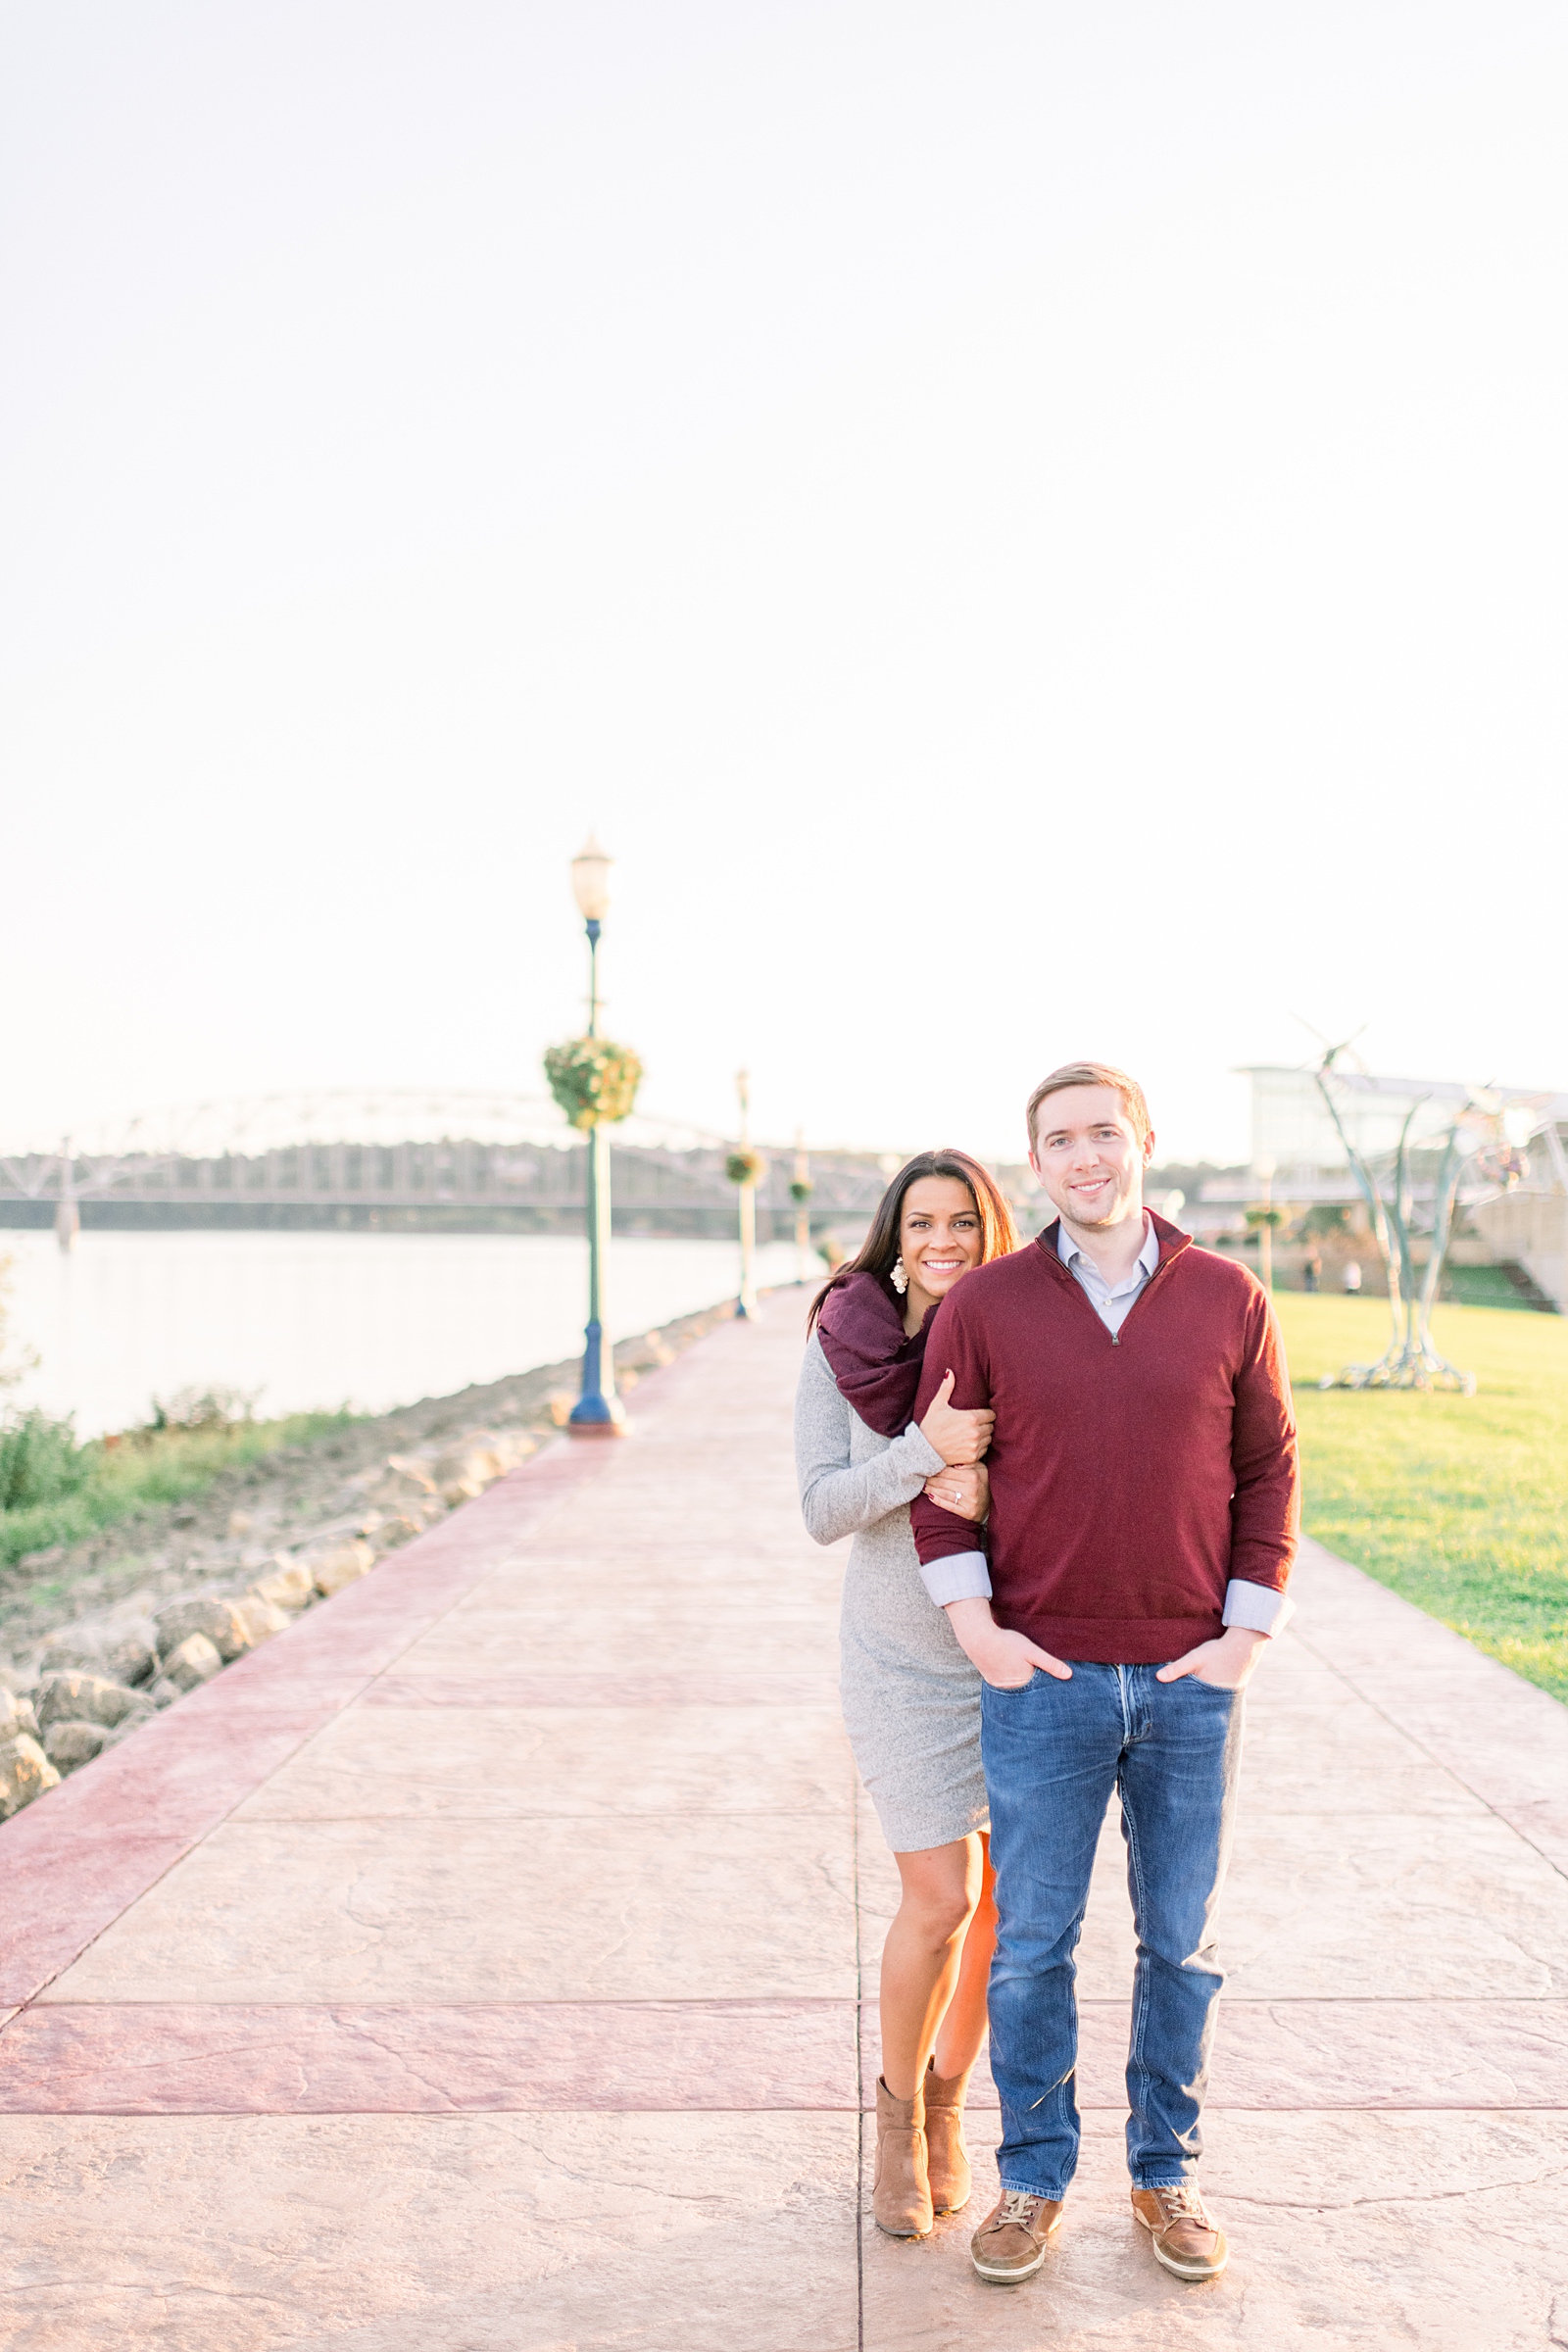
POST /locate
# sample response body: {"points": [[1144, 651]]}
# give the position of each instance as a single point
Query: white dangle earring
{"points": [[899, 1279]]}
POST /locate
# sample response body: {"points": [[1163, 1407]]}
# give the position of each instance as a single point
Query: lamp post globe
{"points": [[598, 1410], [590, 880]]}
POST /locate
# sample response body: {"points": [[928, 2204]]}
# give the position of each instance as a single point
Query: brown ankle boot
{"points": [[901, 2196], [947, 2157]]}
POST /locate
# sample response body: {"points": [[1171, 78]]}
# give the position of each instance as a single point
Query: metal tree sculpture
{"points": [[1411, 1361]]}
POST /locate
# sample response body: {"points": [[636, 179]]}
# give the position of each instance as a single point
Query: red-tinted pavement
{"points": [[479, 1965]]}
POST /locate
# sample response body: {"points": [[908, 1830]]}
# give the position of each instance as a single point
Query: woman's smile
{"points": [[939, 1239]]}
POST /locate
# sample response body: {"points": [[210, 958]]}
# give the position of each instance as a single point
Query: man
{"points": [[1143, 1510]]}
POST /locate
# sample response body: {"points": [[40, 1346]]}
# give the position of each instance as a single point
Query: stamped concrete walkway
{"points": [[479, 1965]]}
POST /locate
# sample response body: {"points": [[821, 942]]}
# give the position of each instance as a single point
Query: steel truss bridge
{"points": [[413, 1160]]}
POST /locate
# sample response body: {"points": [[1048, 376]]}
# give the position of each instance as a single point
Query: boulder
{"points": [[129, 1653], [335, 1565], [126, 1651], [163, 1692], [67, 1650], [68, 1743], [77, 1697], [262, 1617], [204, 1613], [16, 1715], [26, 1772], [195, 1660], [387, 1529], [467, 1469], [289, 1585], [404, 1475]]}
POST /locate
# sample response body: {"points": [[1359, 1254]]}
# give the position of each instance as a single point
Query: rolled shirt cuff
{"points": [[1258, 1607], [959, 1576]]}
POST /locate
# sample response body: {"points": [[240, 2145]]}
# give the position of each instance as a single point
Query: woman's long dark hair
{"points": [[878, 1254]]}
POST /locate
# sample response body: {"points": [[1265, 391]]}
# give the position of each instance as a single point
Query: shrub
{"points": [[205, 1408], [40, 1461]]}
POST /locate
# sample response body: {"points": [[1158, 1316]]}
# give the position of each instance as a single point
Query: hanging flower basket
{"points": [[593, 1080], [744, 1167], [800, 1191]]}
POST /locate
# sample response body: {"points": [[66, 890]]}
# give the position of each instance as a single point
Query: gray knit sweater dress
{"points": [[911, 1699]]}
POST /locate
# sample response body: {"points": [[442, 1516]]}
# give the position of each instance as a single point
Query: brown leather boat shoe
{"points": [[1183, 2237], [1011, 2242]]}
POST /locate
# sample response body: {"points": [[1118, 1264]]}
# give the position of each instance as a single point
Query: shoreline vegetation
{"points": [[1458, 1503], [67, 1492], [166, 1511], [276, 1518]]}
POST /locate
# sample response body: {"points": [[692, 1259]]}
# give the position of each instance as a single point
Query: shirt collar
{"points": [[1148, 1257]]}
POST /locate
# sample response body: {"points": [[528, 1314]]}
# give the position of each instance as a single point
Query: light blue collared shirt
{"points": [[964, 1576], [1112, 1307]]}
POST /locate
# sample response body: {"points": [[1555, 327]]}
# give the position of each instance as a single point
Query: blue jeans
{"points": [[1052, 1753]]}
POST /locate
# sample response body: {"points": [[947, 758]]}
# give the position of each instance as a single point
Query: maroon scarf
{"points": [[876, 1366]]}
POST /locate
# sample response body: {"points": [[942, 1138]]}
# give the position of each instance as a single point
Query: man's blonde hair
{"points": [[1093, 1073]]}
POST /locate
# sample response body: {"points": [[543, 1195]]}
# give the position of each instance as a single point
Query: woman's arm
{"points": [[838, 1496]]}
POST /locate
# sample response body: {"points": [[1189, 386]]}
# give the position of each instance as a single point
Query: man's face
{"points": [[1088, 1156]]}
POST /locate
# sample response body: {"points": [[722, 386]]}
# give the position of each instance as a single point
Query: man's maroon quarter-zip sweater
{"points": [[1131, 1476]]}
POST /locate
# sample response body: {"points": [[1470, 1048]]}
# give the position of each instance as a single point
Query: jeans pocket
{"points": [[1004, 1690], [1196, 1681]]}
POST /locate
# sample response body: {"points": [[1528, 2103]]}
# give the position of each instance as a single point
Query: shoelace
{"points": [[1017, 2206], [1181, 2201]]}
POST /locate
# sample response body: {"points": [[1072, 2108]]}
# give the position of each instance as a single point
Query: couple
{"points": [[1070, 1474]]}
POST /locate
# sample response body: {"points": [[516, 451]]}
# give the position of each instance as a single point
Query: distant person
{"points": [[1353, 1278], [911, 1699], [1143, 1521], [1311, 1273]]}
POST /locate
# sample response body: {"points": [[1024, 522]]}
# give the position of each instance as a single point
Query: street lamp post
{"points": [[1265, 1230], [746, 1303], [597, 1409], [800, 1194]]}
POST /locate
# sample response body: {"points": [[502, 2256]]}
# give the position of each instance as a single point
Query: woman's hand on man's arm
{"points": [[965, 1490], [960, 1435]]}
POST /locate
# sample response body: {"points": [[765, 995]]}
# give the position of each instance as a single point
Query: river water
{"points": [[310, 1320]]}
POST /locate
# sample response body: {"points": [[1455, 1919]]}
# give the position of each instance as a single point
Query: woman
{"points": [[911, 1699]]}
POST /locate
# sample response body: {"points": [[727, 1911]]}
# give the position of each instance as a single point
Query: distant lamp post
{"points": [[1263, 1221], [744, 1169], [595, 1084], [801, 1189]]}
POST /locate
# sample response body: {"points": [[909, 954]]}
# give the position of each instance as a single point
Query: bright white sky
{"points": [[1031, 530]]}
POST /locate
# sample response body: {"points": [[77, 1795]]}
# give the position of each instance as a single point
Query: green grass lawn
{"points": [[168, 1465], [1458, 1502]]}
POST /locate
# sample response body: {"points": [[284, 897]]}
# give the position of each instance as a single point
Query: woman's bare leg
{"points": [[923, 1961], [962, 2034]]}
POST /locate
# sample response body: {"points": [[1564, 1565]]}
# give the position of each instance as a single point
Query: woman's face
{"points": [[939, 1235]]}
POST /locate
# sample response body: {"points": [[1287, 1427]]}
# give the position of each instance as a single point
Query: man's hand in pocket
{"points": [[1003, 1659]]}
